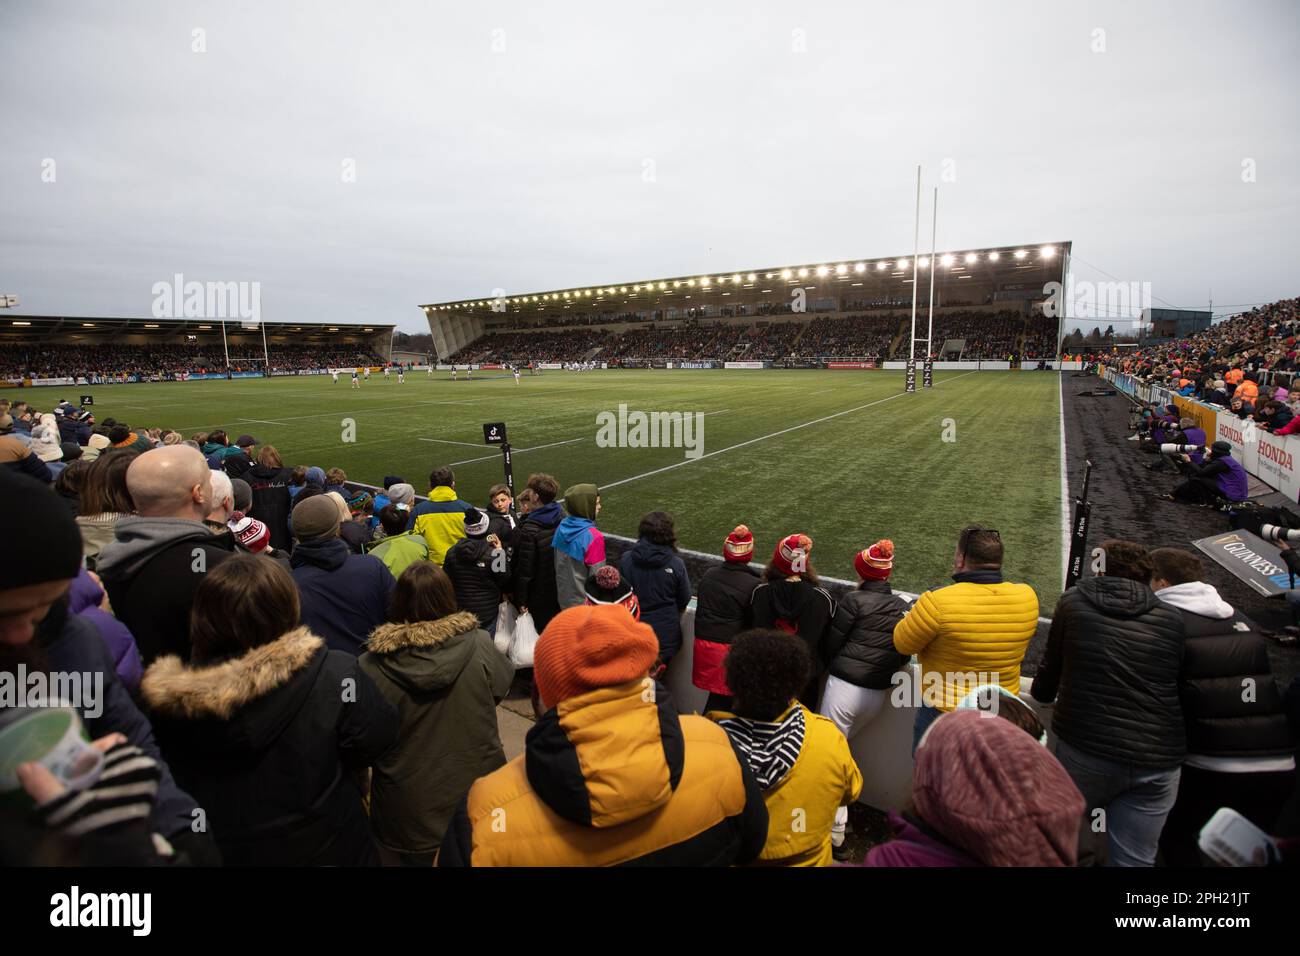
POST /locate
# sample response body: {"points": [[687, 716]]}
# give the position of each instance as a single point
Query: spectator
{"points": [[800, 760], [121, 438], [659, 577], [223, 503], [790, 597], [1240, 751], [479, 570], [1221, 479], [160, 555], [525, 503], [354, 533], [344, 595], [217, 447], [441, 519], [257, 727], [237, 465], [336, 480], [597, 783], [105, 500], [269, 481], [984, 794], [502, 521], [18, 458], [97, 445], [860, 647], [87, 598], [69, 483], [38, 630], [608, 586], [579, 546], [440, 670], [534, 558], [1113, 656], [980, 624], [723, 609], [399, 548]]}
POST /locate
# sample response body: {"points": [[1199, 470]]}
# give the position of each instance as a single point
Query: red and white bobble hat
{"points": [[876, 562], [739, 546], [791, 555], [252, 534]]}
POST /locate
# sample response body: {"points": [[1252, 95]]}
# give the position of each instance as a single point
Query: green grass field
{"points": [[841, 456]]}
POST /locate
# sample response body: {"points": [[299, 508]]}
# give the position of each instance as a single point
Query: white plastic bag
{"points": [[521, 648], [505, 634]]}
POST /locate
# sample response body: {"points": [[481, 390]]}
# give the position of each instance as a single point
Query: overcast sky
{"points": [[531, 146]]}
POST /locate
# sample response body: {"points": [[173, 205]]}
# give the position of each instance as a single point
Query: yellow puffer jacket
{"points": [[801, 808], [969, 633], [440, 521]]}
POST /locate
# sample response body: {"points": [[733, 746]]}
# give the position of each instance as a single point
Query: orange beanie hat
{"points": [[589, 647]]}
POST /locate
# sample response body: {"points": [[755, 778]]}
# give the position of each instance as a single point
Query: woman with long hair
{"points": [[104, 501], [269, 730]]}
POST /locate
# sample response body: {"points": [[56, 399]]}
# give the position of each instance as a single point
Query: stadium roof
{"points": [[1036, 263], [101, 327]]}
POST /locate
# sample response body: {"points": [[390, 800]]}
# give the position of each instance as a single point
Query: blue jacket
{"points": [[344, 595], [663, 589]]}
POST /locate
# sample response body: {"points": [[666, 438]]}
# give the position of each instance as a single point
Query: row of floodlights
{"points": [[705, 282]]}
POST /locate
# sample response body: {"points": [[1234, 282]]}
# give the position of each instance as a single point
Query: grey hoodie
{"points": [[138, 539]]}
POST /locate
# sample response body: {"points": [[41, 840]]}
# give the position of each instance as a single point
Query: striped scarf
{"points": [[770, 749]]}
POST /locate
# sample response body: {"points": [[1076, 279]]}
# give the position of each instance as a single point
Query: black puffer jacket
{"points": [[1115, 652], [534, 564], [1220, 655], [722, 605], [860, 644], [469, 564]]}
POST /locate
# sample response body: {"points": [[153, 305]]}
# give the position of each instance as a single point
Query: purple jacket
{"points": [[911, 846], [1233, 482], [83, 600]]}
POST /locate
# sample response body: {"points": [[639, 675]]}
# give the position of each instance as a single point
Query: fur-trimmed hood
{"points": [[425, 655], [233, 698]]}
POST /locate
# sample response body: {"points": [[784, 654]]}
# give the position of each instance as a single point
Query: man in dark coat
{"points": [[344, 595], [722, 610], [1240, 752], [1113, 655], [158, 557], [272, 503], [534, 559]]}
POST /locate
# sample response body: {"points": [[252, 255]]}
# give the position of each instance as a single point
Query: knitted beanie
{"points": [[36, 519], [607, 586], [739, 546], [791, 554], [876, 562], [251, 533], [476, 523], [588, 647], [317, 517]]}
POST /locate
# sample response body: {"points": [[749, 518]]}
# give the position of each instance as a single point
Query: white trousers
{"points": [[850, 708]]}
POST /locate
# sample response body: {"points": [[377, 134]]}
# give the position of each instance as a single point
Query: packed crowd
{"points": [[988, 336], [117, 362], [222, 597]]}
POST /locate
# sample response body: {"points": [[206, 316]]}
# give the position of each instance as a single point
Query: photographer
{"points": [[1190, 444], [1221, 479]]}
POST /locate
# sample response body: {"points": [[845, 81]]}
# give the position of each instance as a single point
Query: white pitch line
{"points": [[259, 421], [444, 441], [1067, 529], [517, 451], [784, 431]]}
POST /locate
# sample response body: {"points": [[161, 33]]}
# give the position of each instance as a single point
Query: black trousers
{"points": [[1200, 491]]}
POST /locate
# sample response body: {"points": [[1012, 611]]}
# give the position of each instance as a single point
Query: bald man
{"points": [[161, 553]]}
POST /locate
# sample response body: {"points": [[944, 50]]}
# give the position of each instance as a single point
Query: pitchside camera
{"points": [[1274, 532], [1180, 449]]}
